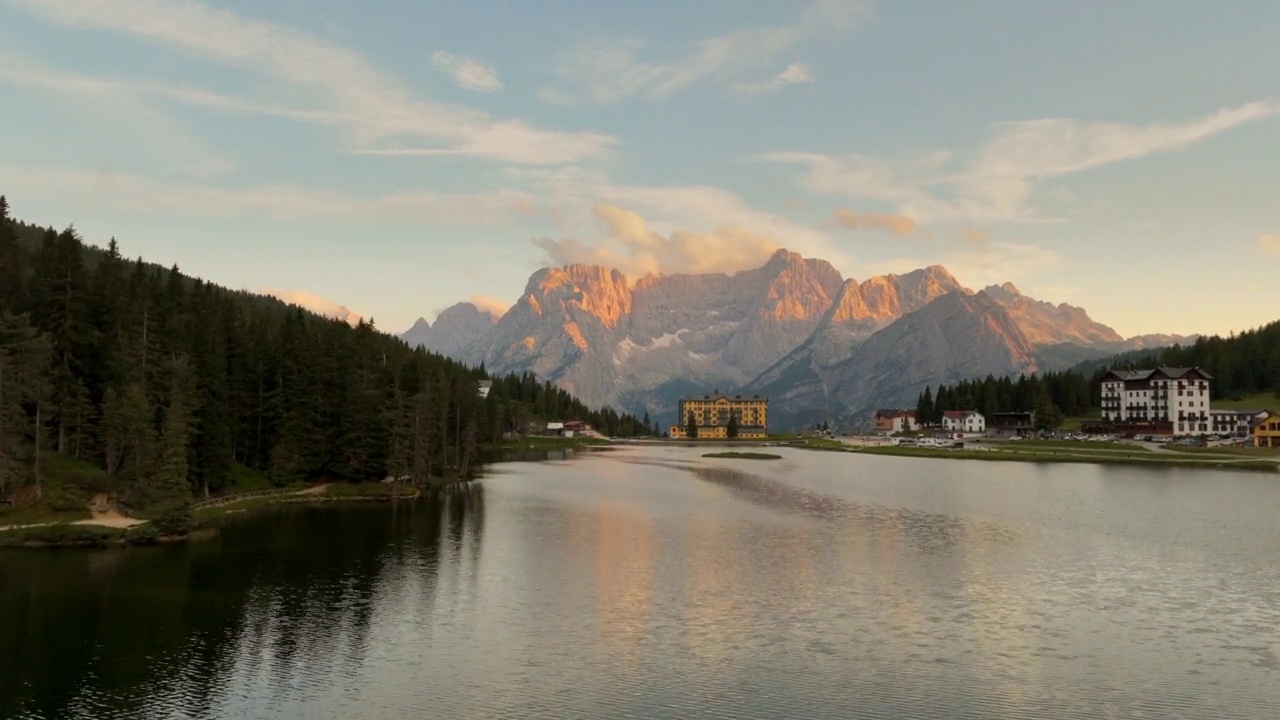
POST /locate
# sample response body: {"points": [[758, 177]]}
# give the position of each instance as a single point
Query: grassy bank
{"points": [[743, 455], [1097, 458]]}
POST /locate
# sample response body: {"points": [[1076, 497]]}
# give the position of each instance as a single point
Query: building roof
{"points": [[726, 396], [1160, 373], [1250, 413], [958, 414]]}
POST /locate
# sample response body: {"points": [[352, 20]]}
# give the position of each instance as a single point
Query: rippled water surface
{"points": [[653, 583]]}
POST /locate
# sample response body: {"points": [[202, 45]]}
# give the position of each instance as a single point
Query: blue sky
{"points": [[396, 157]]}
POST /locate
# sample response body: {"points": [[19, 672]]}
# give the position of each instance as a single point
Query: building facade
{"points": [[1266, 432], [1010, 424], [1176, 398], [1236, 423], [964, 422], [890, 422], [711, 414]]}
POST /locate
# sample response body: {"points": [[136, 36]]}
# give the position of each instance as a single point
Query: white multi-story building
{"points": [[1172, 400], [966, 422], [1237, 423]]}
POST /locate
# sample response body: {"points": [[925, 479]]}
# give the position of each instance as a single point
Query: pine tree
{"points": [[691, 426], [731, 429]]}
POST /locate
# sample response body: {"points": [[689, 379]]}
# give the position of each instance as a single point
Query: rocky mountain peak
{"points": [[601, 292], [455, 327]]}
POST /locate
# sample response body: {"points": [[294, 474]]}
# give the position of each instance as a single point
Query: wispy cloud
{"points": [[607, 70], [979, 267], [491, 305], [976, 237], [794, 74], [342, 86], [314, 303], [899, 225], [467, 72], [1269, 244], [135, 193], [1000, 179], [128, 124], [570, 195], [630, 245]]}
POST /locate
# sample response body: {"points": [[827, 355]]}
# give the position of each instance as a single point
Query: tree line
{"points": [[1241, 364], [172, 384]]}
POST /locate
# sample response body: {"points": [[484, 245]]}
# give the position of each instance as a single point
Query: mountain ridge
{"points": [[794, 327]]}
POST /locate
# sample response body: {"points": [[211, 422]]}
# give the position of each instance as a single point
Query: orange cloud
{"points": [[1269, 244], [315, 303], [899, 225], [632, 247], [975, 237], [491, 305]]}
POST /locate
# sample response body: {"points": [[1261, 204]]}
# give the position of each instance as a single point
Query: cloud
{"points": [[979, 267], [999, 180], [795, 74], [467, 72], [340, 86], [1269, 244], [118, 192], [899, 225], [975, 237], [491, 305], [127, 125], [630, 245], [607, 70], [314, 303], [573, 193]]}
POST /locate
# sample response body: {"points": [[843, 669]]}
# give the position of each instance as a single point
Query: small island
{"points": [[734, 455]]}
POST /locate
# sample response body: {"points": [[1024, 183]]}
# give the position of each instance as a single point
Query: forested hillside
{"points": [[174, 385], [1241, 365]]}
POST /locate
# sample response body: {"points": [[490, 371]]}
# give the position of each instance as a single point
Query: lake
{"points": [[649, 582]]}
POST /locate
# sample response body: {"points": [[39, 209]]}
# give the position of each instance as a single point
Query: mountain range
{"points": [[818, 345]]}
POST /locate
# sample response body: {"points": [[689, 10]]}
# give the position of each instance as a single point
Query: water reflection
{"points": [[652, 584]]}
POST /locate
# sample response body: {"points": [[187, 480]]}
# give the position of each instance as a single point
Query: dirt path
{"points": [[317, 490], [107, 516]]}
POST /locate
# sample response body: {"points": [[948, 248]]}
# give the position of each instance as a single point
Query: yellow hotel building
{"points": [[712, 412]]}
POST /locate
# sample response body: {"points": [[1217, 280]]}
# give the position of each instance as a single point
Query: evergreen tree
{"points": [[691, 426], [731, 429], [924, 407], [169, 383]]}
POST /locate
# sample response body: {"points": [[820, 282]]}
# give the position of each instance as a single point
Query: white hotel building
{"points": [[1174, 400]]}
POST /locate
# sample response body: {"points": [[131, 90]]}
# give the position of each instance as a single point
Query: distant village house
{"points": [[1234, 423], [1011, 424], [892, 422], [1266, 431], [963, 422]]}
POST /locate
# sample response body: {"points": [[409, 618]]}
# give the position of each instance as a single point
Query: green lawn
{"points": [[1260, 401], [1065, 445]]}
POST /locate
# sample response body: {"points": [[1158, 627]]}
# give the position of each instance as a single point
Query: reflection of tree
{"points": [[275, 601]]}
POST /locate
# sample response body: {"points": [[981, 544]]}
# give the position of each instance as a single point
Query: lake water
{"points": [[653, 583]]}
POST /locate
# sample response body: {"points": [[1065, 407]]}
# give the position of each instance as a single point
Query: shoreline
{"points": [[206, 520]]}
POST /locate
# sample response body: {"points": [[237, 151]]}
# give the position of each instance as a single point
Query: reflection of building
{"points": [[896, 421], [713, 414], [1266, 432], [1176, 398]]}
